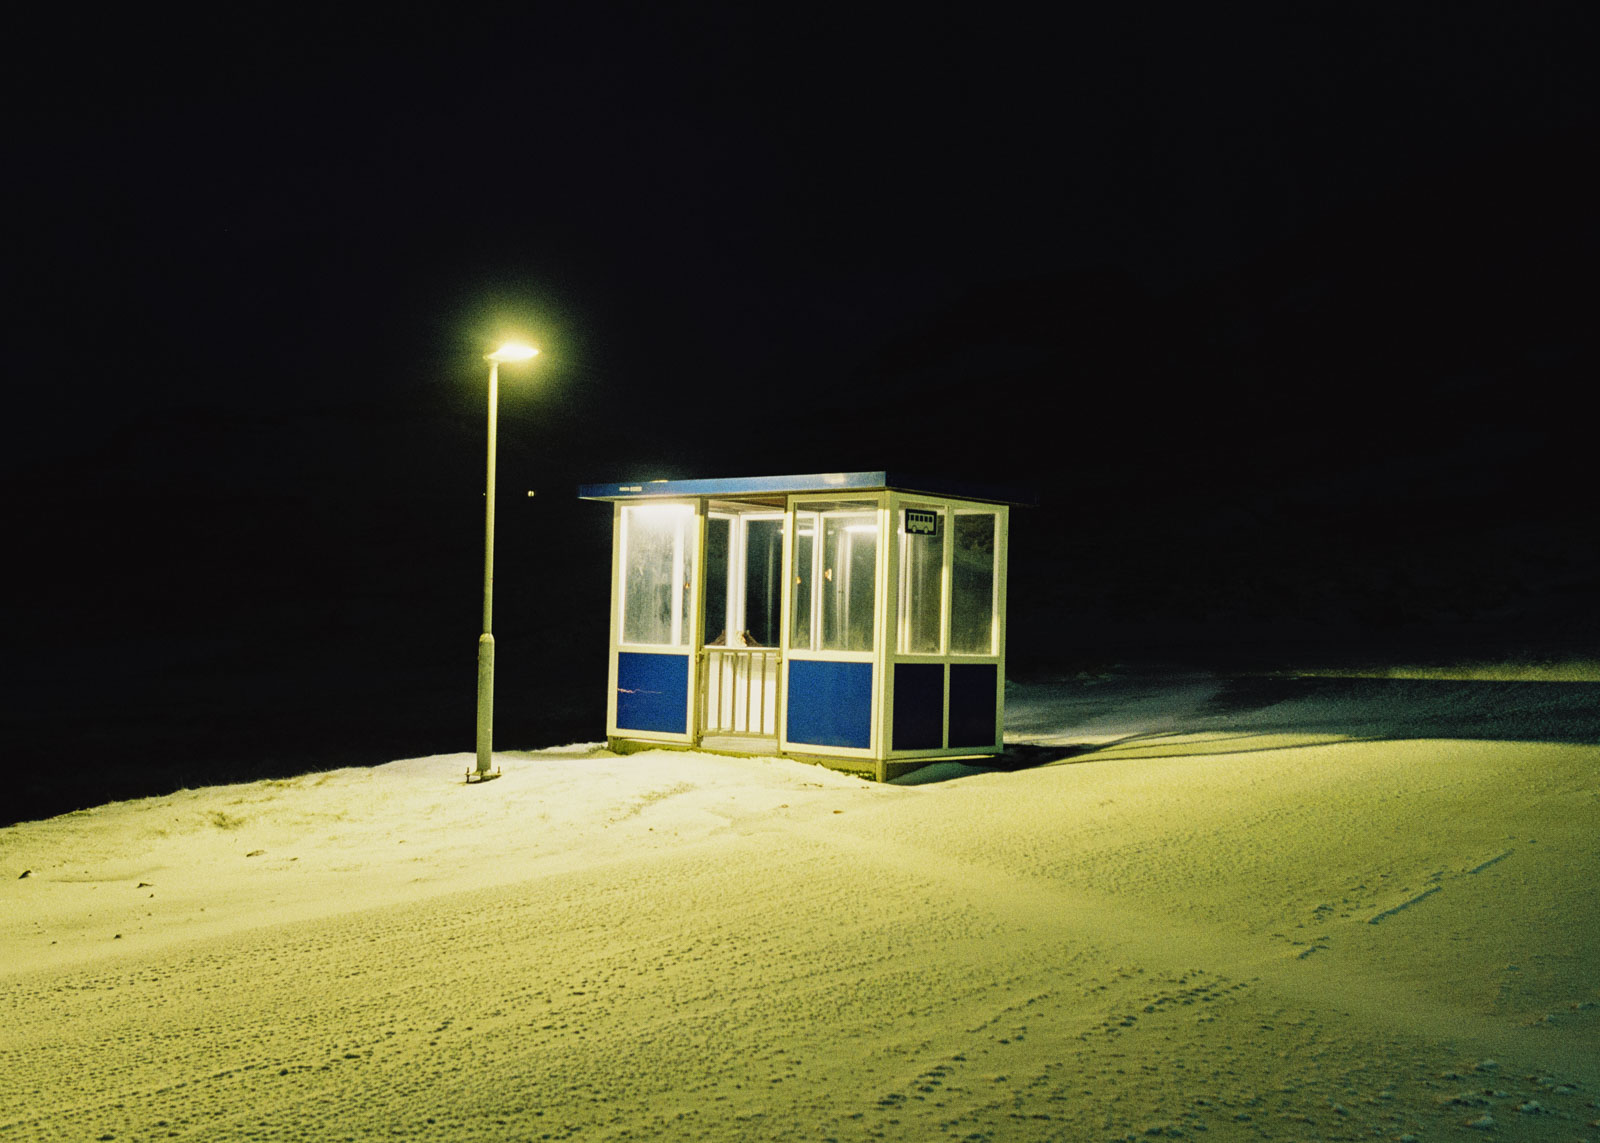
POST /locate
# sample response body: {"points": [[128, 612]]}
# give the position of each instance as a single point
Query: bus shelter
{"points": [[855, 619]]}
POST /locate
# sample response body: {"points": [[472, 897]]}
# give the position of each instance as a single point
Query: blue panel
{"points": [[653, 692], [918, 706], [972, 704], [830, 704]]}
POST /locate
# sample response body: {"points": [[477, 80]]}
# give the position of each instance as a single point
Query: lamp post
{"points": [[511, 351]]}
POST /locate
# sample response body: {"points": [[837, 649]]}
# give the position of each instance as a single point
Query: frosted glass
{"points": [[921, 591], [657, 574], [849, 575]]}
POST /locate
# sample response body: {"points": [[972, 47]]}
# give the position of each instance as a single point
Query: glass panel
{"points": [[849, 579], [715, 627], [972, 584], [921, 579], [657, 573], [763, 570], [805, 533]]}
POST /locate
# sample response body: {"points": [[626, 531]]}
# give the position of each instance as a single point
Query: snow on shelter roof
{"points": [[812, 482]]}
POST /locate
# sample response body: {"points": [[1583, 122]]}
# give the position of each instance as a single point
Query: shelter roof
{"points": [[823, 482]]}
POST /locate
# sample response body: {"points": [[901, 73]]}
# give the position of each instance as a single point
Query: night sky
{"points": [[1290, 321]]}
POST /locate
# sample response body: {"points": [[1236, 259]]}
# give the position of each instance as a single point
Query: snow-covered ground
{"points": [[1253, 909]]}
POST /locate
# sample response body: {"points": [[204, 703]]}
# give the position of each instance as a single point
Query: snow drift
{"points": [[1259, 909]]}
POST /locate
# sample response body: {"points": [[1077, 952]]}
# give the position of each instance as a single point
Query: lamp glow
{"points": [[512, 351]]}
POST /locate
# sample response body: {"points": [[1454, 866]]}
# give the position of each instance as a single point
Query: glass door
{"points": [[743, 606]]}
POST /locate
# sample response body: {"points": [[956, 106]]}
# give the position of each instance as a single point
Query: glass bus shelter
{"points": [[856, 619]]}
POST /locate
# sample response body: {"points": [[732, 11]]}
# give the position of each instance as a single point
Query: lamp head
{"points": [[511, 351]]}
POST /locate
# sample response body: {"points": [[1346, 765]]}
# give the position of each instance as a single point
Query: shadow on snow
{"points": [[1240, 715]]}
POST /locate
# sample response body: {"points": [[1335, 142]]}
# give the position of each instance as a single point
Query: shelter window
{"points": [[719, 555], [922, 536], [744, 577], [836, 578], [972, 584], [805, 548], [657, 572], [762, 598]]}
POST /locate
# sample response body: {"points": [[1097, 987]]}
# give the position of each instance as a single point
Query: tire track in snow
{"points": [[1172, 944]]}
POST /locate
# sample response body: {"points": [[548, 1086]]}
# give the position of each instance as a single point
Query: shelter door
{"points": [[743, 602]]}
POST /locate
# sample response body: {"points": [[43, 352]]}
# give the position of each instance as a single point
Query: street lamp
{"points": [[511, 351]]}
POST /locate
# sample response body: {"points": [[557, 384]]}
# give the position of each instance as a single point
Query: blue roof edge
{"points": [[812, 482]]}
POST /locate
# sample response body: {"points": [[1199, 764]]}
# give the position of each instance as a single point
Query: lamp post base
{"points": [[475, 776], [485, 743]]}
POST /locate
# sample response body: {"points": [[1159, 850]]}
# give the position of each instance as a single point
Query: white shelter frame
{"points": [[926, 707]]}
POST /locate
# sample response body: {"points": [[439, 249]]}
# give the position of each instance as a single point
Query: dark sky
{"points": [[1289, 318]]}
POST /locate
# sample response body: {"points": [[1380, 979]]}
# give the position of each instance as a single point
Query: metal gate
{"points": [[739, 691]]}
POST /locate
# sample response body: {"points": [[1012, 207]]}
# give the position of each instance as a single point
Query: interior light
{"points": [[657, 510]]}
